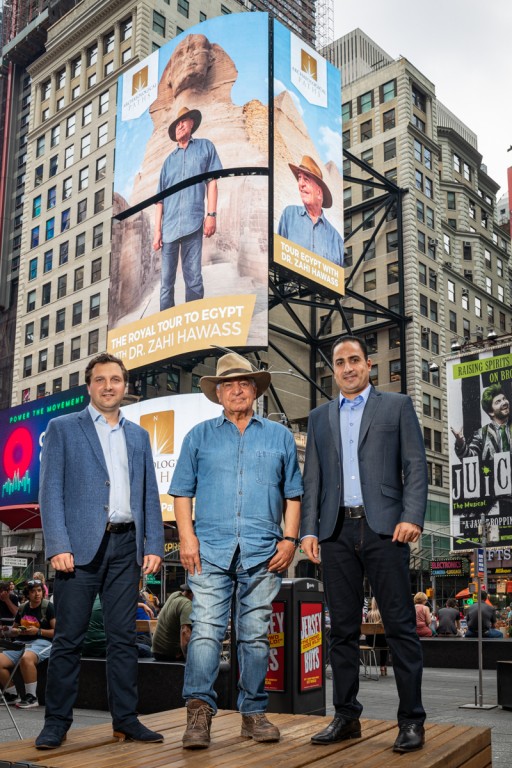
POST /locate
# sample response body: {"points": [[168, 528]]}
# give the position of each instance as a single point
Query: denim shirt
{"points": [[239, 482], [321, 237], [184, 211]]}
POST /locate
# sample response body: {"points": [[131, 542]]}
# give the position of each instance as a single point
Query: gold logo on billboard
{"points": [[308, 64], [140, 80], [160, 427]]}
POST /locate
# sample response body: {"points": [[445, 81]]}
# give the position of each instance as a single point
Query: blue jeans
{"points": [[191, 247], [213, 589], [488, 633]]}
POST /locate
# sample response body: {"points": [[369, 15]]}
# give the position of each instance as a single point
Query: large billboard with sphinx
{"points": [[479, 417]]}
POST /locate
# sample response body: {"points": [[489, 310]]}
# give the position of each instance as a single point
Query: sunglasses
{"points": [[34, 583]]}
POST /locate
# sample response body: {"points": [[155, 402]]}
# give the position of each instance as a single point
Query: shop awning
{"points": [[21, 517]]}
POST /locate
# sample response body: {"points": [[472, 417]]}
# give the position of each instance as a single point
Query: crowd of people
{"points": [[359, 506]]}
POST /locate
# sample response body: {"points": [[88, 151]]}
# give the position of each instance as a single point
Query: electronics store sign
{"points": [[448, 567]]}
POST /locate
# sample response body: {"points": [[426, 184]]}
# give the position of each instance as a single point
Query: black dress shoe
{"points": [[339, 729], [411, 736], [51, 737], [136, 732]]}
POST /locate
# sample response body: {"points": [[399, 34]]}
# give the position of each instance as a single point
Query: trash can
{"points": [[296, 670]]}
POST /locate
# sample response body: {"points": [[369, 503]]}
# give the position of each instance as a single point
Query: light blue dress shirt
{"points": [[351, 413], [239, 482], [184, 211], [113, 445], [321, 237]]}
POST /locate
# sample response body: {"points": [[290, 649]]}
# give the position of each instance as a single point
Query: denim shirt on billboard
{"points": [[239, 482], [321, 238], [184, 211]]}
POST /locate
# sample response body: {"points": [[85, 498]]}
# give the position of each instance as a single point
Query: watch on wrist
{"points": [[213, 214], [295, 542], [39, 633]]}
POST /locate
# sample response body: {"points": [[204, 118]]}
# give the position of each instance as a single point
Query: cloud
{"points": [[331, 143]]}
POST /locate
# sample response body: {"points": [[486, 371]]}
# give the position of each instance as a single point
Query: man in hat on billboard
{"points": [[306, 224], [180, 221], [242, 470]]}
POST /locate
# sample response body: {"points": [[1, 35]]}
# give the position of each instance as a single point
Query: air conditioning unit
{"points": [[424, 329], [465, 292], [433, 241], [467, 243], [448, 264]]}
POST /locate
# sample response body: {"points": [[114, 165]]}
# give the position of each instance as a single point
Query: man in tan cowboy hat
{"points": [[306, 224], [180, 221], [242, 470]]}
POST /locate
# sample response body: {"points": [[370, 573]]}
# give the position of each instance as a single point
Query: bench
{"points": [[160, 685], [462, 652]]}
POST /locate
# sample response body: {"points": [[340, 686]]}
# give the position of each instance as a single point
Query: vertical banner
{"points": [[311, 661], [274, 680], [479, 416], [191, 271], [308, 155]]}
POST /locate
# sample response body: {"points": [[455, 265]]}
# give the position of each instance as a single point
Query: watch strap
{"points": [[295, 542]]}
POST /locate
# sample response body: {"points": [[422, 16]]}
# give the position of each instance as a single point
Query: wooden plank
{"points": [[447, 746]]}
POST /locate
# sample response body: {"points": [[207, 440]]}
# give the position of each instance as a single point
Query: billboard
{"points": [[479, 415], [308, 153], [167, 420], [189, 263], [22, 431]]}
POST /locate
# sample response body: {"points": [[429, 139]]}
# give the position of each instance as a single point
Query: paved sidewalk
{"points": [[444, 691]]}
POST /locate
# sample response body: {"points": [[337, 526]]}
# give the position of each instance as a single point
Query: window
{"points": [[183, 7], [96, 270], [34, 237], [83, 178], [423, 305], [76, 67], [447, 244], [429, 188], [427, 158], [225, 11], [70, 126], [490, 314], [452, 321], [62, 286], [94, 306], [367, 156], [420, 211], [422, 242], [366, 130], [80, 245], [81, 213], [36, 206], [46, 293], [418, 180], [395, 370], [54, 165], [29, 333], [389, 149], [60, 320], [77, 313], [430, 217], [388, 91], [99, 201], [92, 55], [388, 120], [103, 103], [75, 348], [451, 291], [422, 273], [102, 134], [419, 99], [87, 114], [85, 145], [50, 228], [158, 23], [394, 338], [464, 299], [374, 375], [427, 405], [40, 146], [369, 249], [487, 258], [101, 168], [67, 188], [370, 280], [499, 267], [60, 104], [63, 253], [202, 16], [347, 196], [27, 366], [91, 80], [126, 29], [436, 408], [61, 78], [69, 154], [433, 311], [501, 293], [368, 191], [74, 379], [365, 102], [488, 285], [43, 360], [434, 337], [346, 111], [451, 201], [466, 171], [419, 123], [46, 89], [57, 386], [97, 236], [425, 371], [47, 261], [369, 219], [79, 279], [108, 68], [38, 176]]}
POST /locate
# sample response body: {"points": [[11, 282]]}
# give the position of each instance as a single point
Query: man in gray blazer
{"points": [[102, 522], [365, 494]]}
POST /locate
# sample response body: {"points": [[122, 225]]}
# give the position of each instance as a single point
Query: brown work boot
{"points": [[199, 719], [257, 727]]}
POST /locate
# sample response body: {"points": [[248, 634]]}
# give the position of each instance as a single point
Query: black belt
{"points": [[120, 527], [354, 513]]}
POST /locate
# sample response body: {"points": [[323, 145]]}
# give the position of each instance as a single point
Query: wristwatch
{"points": [[39, 633], [295, 542], [213, 214]]}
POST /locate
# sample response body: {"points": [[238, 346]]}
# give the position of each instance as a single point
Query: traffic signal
{"points": [[472, 569], [473, 587], [429, 593]]}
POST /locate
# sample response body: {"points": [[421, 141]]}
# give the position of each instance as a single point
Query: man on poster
{"points": [[243, 471], [180, 221], [492, 438], [365, 496], [306, 224]]}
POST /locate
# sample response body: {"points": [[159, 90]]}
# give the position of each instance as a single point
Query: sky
{"points": [[463, 47]]}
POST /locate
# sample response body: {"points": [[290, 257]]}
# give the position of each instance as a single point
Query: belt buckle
{"points": [[355, 512]]}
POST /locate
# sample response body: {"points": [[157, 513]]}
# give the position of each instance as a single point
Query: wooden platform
{"points": [[448, 746]]}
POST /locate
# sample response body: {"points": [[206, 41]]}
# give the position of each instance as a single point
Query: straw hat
{"points": [[185, 112], [308, 166], [233, 366]]}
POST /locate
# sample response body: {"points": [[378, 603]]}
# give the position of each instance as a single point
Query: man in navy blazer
{"points": [[365, 494], [102, 523]]}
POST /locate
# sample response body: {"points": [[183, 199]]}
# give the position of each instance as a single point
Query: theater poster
{"points": [[215, 75], [307, 157], [479, 417]]}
